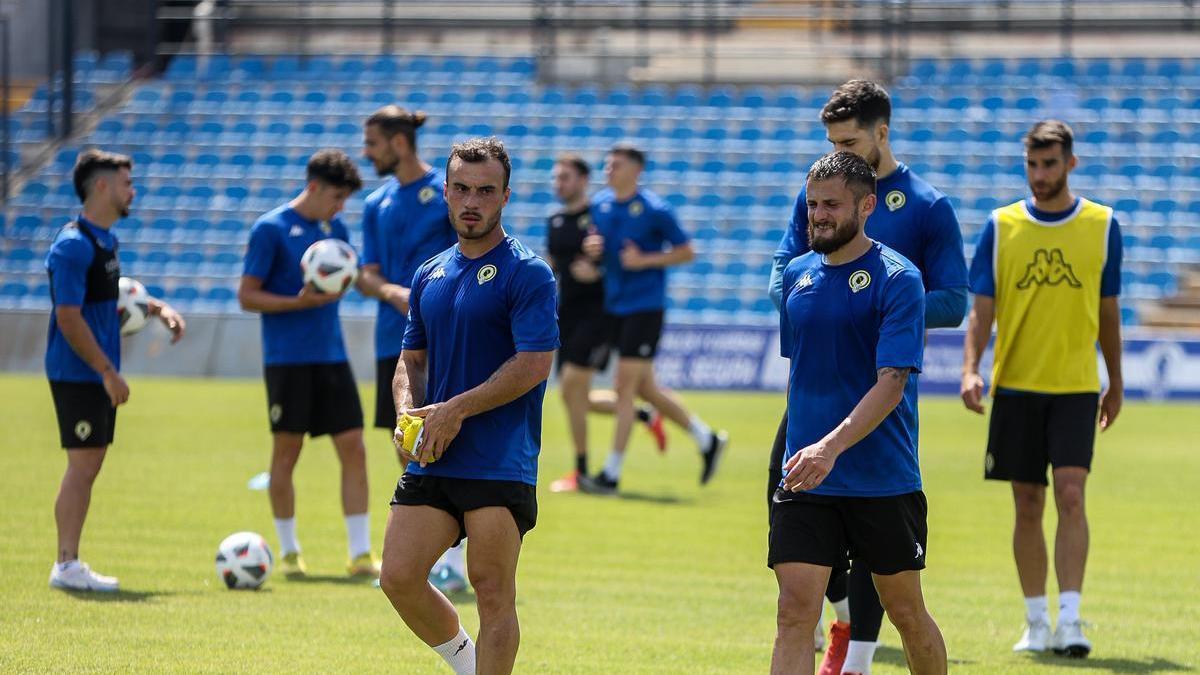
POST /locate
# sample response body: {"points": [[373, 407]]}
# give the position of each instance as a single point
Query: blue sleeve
{"points": [[260, 251], [68, 262], [945, 265], [668, 224], [534, 307], [1110, 278], [414, 330], [946, 307], [983, 274], [795, 238], [370, 246], [787, 279], [775, 285], [902, 331]]}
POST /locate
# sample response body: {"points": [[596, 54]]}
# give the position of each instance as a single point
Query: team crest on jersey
{"points": [[426, 194], [1048, 269], [83, 429], [805, 281], [859, 280], [636, 208], [894, 200], [326, 228], [439, 273], [585, 221], [485, 274]]}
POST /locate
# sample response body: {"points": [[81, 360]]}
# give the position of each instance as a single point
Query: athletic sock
{"points": [[581, 465], [842, 608], [454, 559], [612, 468], [285, 528], [459, 652], [859, 656], [701, 432], [1068, 607], [358, 534], [644, 413], [1037, 610], [64, 566]]}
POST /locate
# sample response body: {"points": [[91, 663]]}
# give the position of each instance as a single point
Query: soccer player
{"points": [[405, 223], [478, 348], [584, 327], [310, 389], [83, 352], [853, 315], [638, 238], [1048, 271], [916, 220]]}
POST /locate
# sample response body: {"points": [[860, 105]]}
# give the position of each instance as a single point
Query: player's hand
{"points": [[442, 424], [115, 387], [632, 257], [593, 245], [808, 468], [309, 297], [971, 391], [585, 271], [397, 296], [173, 320], [1110, 405]]}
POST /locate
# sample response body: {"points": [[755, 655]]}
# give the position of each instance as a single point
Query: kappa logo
{"points": [[461, 647], [439, 273], [920, 551], [426, 194], [83, 429], [859, 280], [1048, 269], [276, 413], [805, 281], [485, 274], [387, 201], [113, 265], [895, 200], [636, 209], [296, 231]]}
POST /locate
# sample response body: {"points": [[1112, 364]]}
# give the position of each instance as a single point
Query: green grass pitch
{"points": [[670, 579]]}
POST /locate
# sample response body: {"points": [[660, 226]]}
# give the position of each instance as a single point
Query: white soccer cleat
{"points": [[80, 577], [1035, 639], [819, 638], [1070, 641]]}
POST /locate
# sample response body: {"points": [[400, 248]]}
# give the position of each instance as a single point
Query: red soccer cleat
{"points": [[835, 651], [568, 483], [655, 427]]}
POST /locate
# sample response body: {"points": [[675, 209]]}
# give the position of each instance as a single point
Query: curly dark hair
{"points": [[863, 101], [334, 167], [855, 170], [478, 150]]}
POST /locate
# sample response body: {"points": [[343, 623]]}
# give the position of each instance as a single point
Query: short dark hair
{"points": [[863, 101], [334, 167], [392, 120], [629, 150], [575, 161], [91, 162], [1047, 133], [855, 170], [478, 150]]}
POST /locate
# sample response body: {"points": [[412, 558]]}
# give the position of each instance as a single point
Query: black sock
{"points": [[643, 414], [581, 464], [866, 614]]}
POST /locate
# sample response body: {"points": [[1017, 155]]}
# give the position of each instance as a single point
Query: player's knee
{"points": [[796, 611], [1030, 501], [495, 592], [400, 581], [1068, 497], [906, 615]]}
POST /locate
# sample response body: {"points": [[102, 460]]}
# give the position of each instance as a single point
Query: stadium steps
{"points": [[1181, 310]]}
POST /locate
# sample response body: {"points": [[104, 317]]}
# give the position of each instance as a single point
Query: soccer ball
{"points": [[244, 560], [133, 305], [330, 265]]}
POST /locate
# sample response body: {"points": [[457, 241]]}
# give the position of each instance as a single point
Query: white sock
{"points": [[842, 608], [459, 652], [612, 468], [64, 566], [286, 529], [701, 432], [859, 656], [1068, 607], [1037, 610], [358, 534], [454, 559]]}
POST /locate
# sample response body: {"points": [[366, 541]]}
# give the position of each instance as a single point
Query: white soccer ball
{"points": [[133, 305], [330, 265], [244, 560]]}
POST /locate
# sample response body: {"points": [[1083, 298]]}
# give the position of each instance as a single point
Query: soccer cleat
{"points": [[1036, 637], [1070, 641], [655, 426], [568, 483], [292, 566], [712, 454], [364, 565], [835, 653], [80, 577], [600, 484], [446, 580]]}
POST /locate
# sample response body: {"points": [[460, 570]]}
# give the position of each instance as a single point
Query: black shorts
{"points": [[1028, 432], [385, 405], [887, 534], [312, 398], [637, 334], [457, 496], [586, 332], [86, 416]]}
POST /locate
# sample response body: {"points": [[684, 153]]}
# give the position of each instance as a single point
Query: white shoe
{"points": [[1070, 641], [80, 577], [1035, 639], [819, 637]]}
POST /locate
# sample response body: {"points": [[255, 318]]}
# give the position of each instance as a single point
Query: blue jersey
{"points": [[403, 226], [277, 242], [69, 262], [913, 218], [647, 221], [839, 325], [473, 315]]}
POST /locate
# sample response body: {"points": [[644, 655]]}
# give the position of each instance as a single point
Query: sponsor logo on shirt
{"points": [[859, 280], [426, 194], [895, 200], [485, 274], [439, 273], [296, 231], [805, 281], [1050, 269]]}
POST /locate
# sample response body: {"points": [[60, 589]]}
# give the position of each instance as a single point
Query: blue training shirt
{"points": [[913, 218], [839, 324], [473, 315], [277, 242], [68, 261], [403, 226], [646, 220]]}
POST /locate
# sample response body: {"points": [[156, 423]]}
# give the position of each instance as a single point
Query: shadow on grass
{"points": [[119, 596], [1115, 665], [338, 579], [653, 498], [895, 656]]}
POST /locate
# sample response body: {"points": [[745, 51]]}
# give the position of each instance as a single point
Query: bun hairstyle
{"points": [[392, 120]]}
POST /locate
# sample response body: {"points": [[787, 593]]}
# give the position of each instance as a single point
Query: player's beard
{"points": [[1048, 191], [464, 229], [843, 233], [874, 158], [123, 209], [386, 167]]}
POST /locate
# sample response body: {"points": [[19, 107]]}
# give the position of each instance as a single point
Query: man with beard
{"points": [[405, 223], [916, 220], [1048, 271], [478, 348], [852, 324]]}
